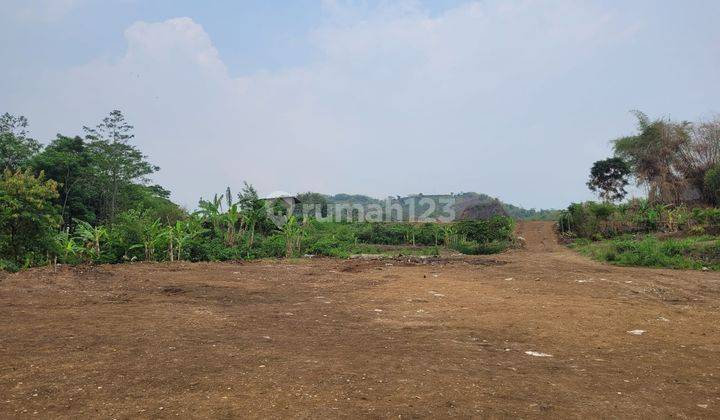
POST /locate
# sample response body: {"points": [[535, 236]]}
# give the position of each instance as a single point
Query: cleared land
{"points": [[330, 338]]}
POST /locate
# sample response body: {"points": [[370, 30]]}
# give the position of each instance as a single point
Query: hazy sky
{"points": [[515, 99]]}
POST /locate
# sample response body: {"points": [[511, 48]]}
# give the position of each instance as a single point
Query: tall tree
{"points": [[253, 211], [118, 163], [700, 155], [67, 160], [609, 178], [16, 148], [312, 202], [654, 155]]}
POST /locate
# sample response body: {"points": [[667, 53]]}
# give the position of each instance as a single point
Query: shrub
{"points": [[497, 228], [28, 217], [329, 247], [649, 251], [272, 247], [712, 184]]}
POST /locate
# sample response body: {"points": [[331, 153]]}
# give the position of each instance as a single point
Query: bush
{"points": [[28, 218], [329, 247], [597, 221], [712, 184], [497, 228], [649, 251], [6, 265], [272, 247]]}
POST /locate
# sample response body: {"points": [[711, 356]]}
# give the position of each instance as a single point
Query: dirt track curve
{"points": [[539, 332]]}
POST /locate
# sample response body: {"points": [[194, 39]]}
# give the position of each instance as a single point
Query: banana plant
{"points": [[232, 217], [212, 212], [150, 236], [67, 245], [179, 235], [91, 235], [251, 216], [449, 235], [293, 232], [410, 234]]}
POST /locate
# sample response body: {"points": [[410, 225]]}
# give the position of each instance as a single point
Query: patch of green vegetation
{"points": [[650, 251], [88, 200]]}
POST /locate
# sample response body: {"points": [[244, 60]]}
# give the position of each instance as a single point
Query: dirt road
{"points": [[534, 332]]}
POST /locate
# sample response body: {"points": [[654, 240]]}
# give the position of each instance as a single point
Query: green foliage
{"points": [[712, 184], [68, 161], [98, 206], [649, 251], [605, 220], [314, 199], [292, 232], [68, 248], [609, 178], [91, 237], [117, 163], [486, 248], [675, 161], [28, 219], [330, 247], [497, 228], [16, 149], [274, 246]]}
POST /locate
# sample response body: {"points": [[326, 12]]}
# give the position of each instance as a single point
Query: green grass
{"points": [[393, 239], [650, 251]]}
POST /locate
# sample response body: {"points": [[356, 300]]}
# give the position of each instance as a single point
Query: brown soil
{"points": [[352, 338]]}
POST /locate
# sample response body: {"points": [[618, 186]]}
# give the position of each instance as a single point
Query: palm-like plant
{"points": [[212, 212], [293, 232], [449, 235], [179, 235], [410, 234], [251, 216], [67, 245], [91, 235], [150, 234], [232, 217]]}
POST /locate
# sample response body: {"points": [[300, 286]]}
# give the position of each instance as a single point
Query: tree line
{"points": [[675, 162], [89, 199]]}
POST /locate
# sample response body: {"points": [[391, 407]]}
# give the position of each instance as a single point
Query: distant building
{"points": [[285, 199]]}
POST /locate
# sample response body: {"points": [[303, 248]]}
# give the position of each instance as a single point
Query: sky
{"points": [[515, 99]]}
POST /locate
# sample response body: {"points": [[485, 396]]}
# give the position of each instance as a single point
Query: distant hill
{"points": [[513, 211]]}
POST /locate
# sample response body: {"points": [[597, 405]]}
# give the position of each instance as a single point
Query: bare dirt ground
{"points": [[342, 338]]}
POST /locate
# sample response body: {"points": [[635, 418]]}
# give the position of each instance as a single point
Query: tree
{"points": [[312, 201], [67, 160], [609, 178], [16, 149], [232, 217], [701, 155], [118, 163], [293, 232], [150, 236], [252, 210], [712, 184], [211, 211], [180, 234], [91, 235], [655, 157], [67, 246], [28, 217]]}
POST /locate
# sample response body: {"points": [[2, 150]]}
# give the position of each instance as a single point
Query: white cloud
{"points": [[398, 101]]}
